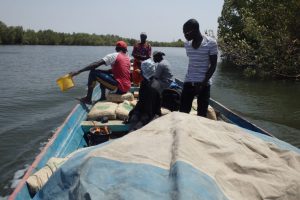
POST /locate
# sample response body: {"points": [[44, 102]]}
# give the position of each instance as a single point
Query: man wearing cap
{"points": [[115, 79], [162, 73], [202, 52], [141, 51]]}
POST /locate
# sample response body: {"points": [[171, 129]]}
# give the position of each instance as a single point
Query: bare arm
{"points": [[140, 57], [91, 66], [213, 63], [134, 53]]}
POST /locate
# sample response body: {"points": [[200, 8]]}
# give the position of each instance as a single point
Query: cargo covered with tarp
{"points": [[181, 156]]}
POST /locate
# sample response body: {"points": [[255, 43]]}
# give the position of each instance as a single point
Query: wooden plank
{"points": [[114, 125]]}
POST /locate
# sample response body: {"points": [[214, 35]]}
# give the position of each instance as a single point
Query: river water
{"points": [[32, 106]]}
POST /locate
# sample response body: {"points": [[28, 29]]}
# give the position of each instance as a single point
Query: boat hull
{"points": [[69, 137]]}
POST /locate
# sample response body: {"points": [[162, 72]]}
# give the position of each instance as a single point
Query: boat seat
{"points": [[114, 125]]}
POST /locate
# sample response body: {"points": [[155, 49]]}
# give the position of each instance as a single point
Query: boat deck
{"points": [[69, 137], [114, 125]]}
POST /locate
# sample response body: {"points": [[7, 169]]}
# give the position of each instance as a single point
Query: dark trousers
{"points": [[189, 92]]}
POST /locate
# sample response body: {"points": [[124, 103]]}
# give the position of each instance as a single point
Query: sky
{"points": [[162, 20]]}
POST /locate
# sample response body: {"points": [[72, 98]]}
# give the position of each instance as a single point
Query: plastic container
{"points": [[65, 82], [98, 135]]}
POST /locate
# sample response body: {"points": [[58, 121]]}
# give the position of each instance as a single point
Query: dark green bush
{"points": [[262, 36]]}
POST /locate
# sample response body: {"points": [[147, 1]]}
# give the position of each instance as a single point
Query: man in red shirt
{"points": [[141, 51], [117, 78]]}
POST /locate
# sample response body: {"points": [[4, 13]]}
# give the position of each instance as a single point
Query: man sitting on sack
{"points": [[115, 79]]}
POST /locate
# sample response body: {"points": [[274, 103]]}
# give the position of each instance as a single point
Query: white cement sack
{"points": [[211, 114], [36, 181], [118, 98], [134, 102], [164, 111], [103, 109], [123, 110]]}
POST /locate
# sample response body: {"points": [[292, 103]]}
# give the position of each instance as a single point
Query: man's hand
{"points": [[199, 87], [137, 70], [204, 83], [137, 56], [74, 73]]}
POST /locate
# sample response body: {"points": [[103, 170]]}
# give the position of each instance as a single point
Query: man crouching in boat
{"points": [[162, 72], [117, 78], [149, 104]]}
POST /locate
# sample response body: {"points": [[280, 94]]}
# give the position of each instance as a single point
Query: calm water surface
{"points": [[32, 107]]}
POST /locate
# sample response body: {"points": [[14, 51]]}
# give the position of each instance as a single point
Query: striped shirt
{"points": [[199, 61]]}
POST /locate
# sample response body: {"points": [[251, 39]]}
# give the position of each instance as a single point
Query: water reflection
{"points": [[273, 105]]}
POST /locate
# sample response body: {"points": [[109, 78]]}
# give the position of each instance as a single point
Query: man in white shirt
{"points": [[117, 78], [162, 73], [202, 52]]}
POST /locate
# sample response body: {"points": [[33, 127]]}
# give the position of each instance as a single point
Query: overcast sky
{"points": [[162, 20]]}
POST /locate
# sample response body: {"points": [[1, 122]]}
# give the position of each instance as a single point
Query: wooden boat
{"points": [[69, 137]]}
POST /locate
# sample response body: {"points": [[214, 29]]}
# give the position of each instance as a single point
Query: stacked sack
{"points": [[211, 114], [116, 107]]}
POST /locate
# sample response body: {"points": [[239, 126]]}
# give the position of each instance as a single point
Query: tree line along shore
{"points": [[261, 38], [17, 35]]}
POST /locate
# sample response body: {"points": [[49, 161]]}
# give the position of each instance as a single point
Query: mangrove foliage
{"points": [[261, 36], [17, 35]]}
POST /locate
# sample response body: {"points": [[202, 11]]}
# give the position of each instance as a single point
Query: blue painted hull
{"points": [[69, 137]]}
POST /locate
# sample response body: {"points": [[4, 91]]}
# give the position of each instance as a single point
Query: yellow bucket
{"points": [[65, 82]]}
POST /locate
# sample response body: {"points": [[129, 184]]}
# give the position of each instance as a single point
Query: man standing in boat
{"points": [[115, 79], [202, 52], [141, 51]]}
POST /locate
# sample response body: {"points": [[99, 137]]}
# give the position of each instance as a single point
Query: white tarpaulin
{"points": [[181, 156]]}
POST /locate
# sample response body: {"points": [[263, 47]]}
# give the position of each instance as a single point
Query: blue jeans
{"points": [[106, 80]]}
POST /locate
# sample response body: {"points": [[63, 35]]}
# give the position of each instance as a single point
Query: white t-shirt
{"points": [[110, 59], [199, 61]]}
